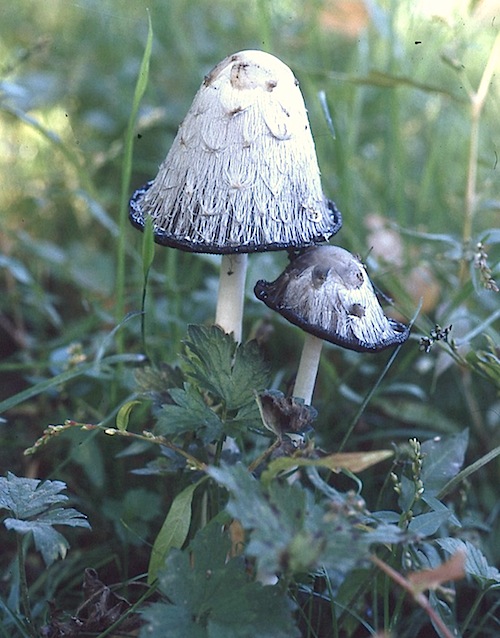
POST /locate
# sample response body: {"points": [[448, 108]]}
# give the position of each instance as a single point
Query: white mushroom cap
{"points": [[242, 173], [326, 292]]}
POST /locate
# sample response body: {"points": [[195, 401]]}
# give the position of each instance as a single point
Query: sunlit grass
{"points": [[404, 105]]}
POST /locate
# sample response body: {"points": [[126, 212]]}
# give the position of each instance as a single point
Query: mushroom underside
{"points": [[227, 235]]}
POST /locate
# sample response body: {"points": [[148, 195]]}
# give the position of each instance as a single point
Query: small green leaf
{"points": [[443, 458], [429, 523], [123, 416], [174, 530], [189, 413]]}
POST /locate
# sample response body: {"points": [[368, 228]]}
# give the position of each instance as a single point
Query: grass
{"points": [[404, 106]]}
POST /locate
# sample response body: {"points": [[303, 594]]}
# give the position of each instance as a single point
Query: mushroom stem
{"points": [[308, 368], [230, 299]]}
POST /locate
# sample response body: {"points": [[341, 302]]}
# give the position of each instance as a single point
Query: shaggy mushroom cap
{"points": [[326, 292], [242, 173]]}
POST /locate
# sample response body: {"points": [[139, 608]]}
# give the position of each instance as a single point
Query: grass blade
{"points": [[140, 88]]}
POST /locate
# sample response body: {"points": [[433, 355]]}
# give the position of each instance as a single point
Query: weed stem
{"points": [[23, 586], [477, 101]]}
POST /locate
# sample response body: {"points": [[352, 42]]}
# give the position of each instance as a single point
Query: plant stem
{"points": [[231, 296], [418, 597], [308, 369], [477, 101], [23, 586], [140, 87]]}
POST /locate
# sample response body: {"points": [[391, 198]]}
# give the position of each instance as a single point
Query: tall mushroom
{"points": [[326, 292], [241, 176]]}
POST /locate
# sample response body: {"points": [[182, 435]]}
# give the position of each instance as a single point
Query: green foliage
{"points": [[231, 372], [32, 506], [211, 596], [188, 413], [92, 319], [174, 530], [291, 532], [476, 564], [487, 363], [442, 459], [219, 395]]}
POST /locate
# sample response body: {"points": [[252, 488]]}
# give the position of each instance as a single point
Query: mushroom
{"points": [[326, 292], [241, 176]]}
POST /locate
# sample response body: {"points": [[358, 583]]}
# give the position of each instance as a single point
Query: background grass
{"points": [[399, 81]]}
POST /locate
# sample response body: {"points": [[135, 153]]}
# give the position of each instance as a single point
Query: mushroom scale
{"points": [[242, 174], [326, 292]]}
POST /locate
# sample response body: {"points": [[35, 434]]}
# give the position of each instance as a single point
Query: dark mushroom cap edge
{"points": [[401, 331], [165, 239]]}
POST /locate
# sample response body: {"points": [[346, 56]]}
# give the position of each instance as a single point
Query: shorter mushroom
{"points": [[326, 292]]}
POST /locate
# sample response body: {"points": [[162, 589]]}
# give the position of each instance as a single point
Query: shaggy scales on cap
{"points": [[326, 292], [242, 174]]}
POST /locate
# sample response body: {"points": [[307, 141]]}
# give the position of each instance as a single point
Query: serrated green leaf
{"points": [[123, 416], [443, 458], [231, 372], [189, 413], [170, 621], [174, 530], [31, 502], [476, 564], [28, 497]]}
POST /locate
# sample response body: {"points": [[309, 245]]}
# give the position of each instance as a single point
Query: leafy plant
{"points": [[34, 508], [376, 510], [207, 594]]}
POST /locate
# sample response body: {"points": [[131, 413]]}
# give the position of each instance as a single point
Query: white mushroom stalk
{"points": [[242, 174], [231, 295], [326, 292], [308, 369]]}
